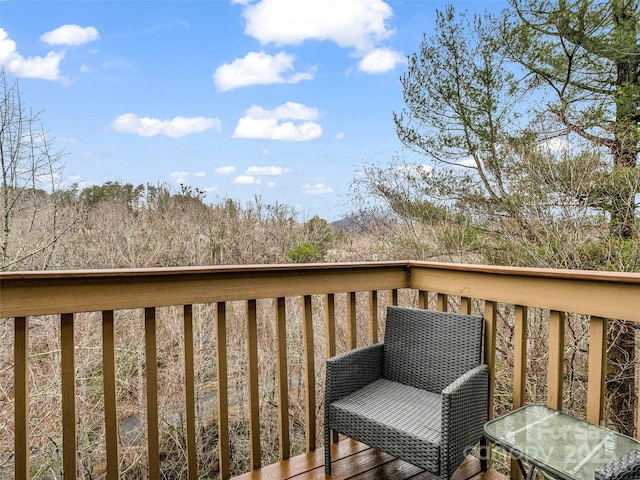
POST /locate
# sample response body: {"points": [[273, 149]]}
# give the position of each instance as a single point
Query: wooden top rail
{"points": [[52, 292], [605, 294]]}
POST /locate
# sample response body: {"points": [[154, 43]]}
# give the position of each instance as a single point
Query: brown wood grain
{"points": [[354, 460]]}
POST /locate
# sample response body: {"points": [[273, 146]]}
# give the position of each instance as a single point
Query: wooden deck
{"points": [[354, 460]]}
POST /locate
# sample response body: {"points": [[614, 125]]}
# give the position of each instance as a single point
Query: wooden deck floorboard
{"points": [[353, 460]]}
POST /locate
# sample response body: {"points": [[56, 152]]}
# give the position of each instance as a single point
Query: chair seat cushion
{"points": [[393, 417]]}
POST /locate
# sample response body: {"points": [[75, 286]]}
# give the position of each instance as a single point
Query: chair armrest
{"points": [[626, 467], [351, 371], [345, 374], [465, 410]]}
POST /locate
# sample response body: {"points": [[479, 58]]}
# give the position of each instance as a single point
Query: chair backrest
{"points": [[428, 349]]}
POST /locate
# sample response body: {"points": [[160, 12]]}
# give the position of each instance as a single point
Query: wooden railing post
{"points": [[597, 369], [352, 326], [394, 296], [423, 299], [519, 370], [373, 317], [442, 302], [151, 361], [555, 368], [21, 385], [68, 371], [283, 383], [309, 374], [490, 319], [520, 357], [254, 393], [465, 305], [189, 393], [223, 390], [330, 324], [110, 395], [330, 336]]}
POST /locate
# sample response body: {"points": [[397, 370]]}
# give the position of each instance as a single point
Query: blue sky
{"points": [[284, 99]]}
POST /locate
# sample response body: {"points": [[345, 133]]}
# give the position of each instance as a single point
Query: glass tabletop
{"points": [[559, 443]]}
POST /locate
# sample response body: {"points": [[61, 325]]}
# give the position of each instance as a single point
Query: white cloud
{"points": [[46, 68], [266, 124], [272, 170], [246, 180], [226, 170], [290, 110], [358, 24], [179, 177], [272, 130], [258, 68], [381, 60], [200, 174], [316, 189], [340, 136], [71, 35], [296, 111], [176, 127]]}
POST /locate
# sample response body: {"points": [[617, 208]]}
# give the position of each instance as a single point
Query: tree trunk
{"points": [[626, 132], [621, 377]]}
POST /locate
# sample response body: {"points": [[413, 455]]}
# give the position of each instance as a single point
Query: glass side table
{"points": [[556, 443]]}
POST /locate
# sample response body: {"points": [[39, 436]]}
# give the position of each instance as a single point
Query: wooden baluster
{"points": [[465, 305], [423, 299], [330, 324], [283, 378], [373, 317], [597, 369], [68, 371], [555, 367], [309, 375], [151, 359], [21, 385], [490, 318], [442, 302], [189, 393], [110, 395], [394, 296], [519, 370], [520, 357], [330, 336], [223, 391], [254, 394], [352, 341]]}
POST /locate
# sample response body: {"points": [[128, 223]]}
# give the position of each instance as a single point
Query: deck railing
{"points": [[599, 295]]}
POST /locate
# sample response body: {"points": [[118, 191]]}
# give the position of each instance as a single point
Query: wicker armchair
{"points": [[421, 396], [626, 467]]}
